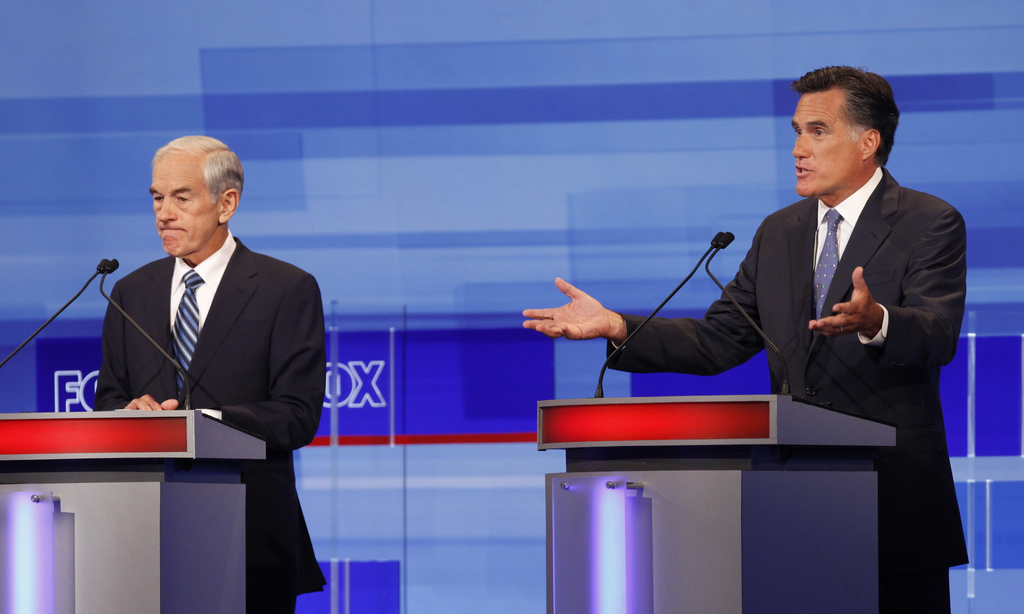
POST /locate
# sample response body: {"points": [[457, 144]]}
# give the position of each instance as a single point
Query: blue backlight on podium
{"points": [[609, 571], [27, 551]]}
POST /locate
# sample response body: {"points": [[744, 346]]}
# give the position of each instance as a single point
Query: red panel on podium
{"points": [[702, 421], [657, 421], [111, 435], [88, 436]]}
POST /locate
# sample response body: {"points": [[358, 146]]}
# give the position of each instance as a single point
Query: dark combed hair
{"points": [[869, 100]]}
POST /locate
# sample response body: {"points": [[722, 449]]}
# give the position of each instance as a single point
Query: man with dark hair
{"points": [[861, 285], [869, 101], [248, 329]]}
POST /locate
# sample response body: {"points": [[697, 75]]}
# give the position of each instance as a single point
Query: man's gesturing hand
{"points": [[860, 315], [583, 317]]}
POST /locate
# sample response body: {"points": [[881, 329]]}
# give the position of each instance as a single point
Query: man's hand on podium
{"points": [[148, 403]]}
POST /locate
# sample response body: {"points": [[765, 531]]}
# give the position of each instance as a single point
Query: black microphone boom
{"points": [[112, 265], [720, 242], [99, 269], [784, 388]]}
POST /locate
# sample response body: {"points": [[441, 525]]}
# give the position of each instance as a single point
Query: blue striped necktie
{"points": [[186, 325], [827, 261]]}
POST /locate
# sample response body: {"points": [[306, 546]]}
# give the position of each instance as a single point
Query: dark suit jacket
{"points": [[912, 248], [260, 359]]}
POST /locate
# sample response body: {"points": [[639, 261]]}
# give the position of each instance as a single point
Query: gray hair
{"points": [[222, 169]]}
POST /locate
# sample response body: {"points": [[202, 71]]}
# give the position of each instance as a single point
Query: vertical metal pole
{"points": [[971, 564], [391, 391], [988, 525], [335, 597], [972, 357], [334, 389], [971, 449], [348, 587], [335, 374]]}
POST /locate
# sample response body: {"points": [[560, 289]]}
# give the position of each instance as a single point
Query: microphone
{"points": [[720, 242], [99, 269], [768, 342], [110, 268]]}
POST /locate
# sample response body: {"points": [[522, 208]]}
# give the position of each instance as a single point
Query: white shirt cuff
{"points": [[879, 339]]}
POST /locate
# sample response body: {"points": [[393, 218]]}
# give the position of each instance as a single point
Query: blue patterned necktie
{"points": [[186, 325], [827, 261]]}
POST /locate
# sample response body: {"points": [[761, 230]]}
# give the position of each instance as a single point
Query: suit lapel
{"points": [[801, 246], [155, 319], [236, 288]]}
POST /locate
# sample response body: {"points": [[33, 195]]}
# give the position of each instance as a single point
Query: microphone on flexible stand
{"points": [[719, 243], [110, 268], [99, 269], [784, 388]]}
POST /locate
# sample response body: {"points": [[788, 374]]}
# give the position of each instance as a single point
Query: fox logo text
{"points": [[355, 384], [73, 392]]}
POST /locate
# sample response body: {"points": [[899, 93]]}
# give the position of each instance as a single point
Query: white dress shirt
{"points": [[211, 270], [850, 209]]}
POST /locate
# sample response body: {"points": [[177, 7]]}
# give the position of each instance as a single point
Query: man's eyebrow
{"points": [[816, 123], [181, 190]]}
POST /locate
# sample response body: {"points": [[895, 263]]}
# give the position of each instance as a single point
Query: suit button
{"points": [[810, 391]]}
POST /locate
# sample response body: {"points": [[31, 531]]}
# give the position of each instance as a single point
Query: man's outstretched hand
{"points": [[860, 315], [583, 317]]}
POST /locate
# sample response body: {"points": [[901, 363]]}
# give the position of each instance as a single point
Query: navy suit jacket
{"points": [[260, 359], [912, 247]]}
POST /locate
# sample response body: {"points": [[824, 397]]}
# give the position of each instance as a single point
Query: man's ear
{"points": [[870, 141], [227, 205]]}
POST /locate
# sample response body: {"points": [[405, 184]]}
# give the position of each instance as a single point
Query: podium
{"points": [[148, 510], [717, 505]]}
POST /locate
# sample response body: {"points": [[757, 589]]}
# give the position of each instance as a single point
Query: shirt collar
{"points": [[211, 269], [853, 206]]}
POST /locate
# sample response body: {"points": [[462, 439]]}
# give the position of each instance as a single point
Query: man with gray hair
{"points": [[248, 329]]}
